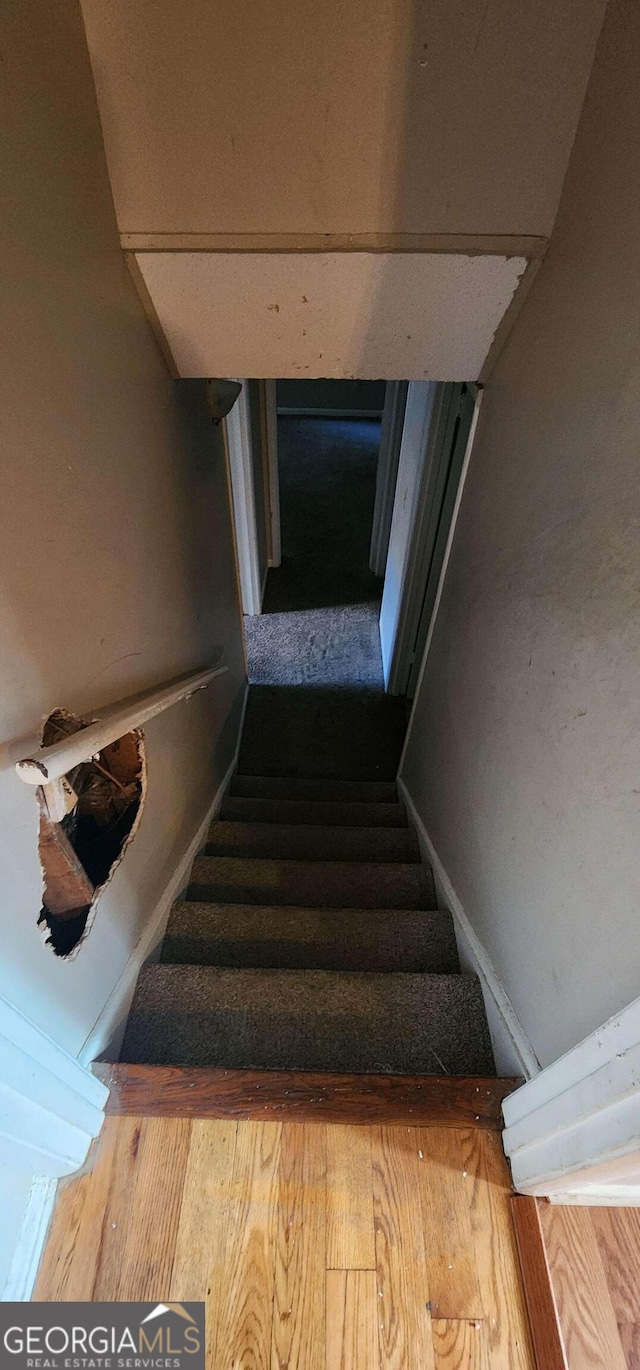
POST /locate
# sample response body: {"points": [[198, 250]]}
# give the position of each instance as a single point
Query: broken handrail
{"points": [[107, 725]]}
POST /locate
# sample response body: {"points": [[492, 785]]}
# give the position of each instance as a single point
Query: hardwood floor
{"points": [[316, 1247], [582, 1277]]}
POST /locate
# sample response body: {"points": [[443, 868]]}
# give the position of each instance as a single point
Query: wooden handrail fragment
{"points": [[110, 723]]}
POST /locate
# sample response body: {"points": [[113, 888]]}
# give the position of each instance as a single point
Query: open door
{"points": [[457, 428], [395, 403]]}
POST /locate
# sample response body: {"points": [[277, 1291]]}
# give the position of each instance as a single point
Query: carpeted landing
{"points": [[336, 647]]}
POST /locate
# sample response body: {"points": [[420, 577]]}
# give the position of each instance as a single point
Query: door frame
{"points": [[269, 417], [237, 436], [395, 403], [425, 543], [433, 541]]}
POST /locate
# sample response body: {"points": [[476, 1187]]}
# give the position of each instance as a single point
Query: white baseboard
{"points": [[513, 1051], [598, 1196], [30, 1242], [113, 1017], [314, 413]]}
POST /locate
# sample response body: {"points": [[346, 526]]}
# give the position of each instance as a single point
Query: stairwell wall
{"points": [[523, 759], [116, 554]]}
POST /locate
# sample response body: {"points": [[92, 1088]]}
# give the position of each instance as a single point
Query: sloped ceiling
{"points": [[346, 116]]}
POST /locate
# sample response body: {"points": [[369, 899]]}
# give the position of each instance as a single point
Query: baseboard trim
{"points": [[482, 963], [31, 1239], [305, 1096], [293, 412], [117, 1006]]}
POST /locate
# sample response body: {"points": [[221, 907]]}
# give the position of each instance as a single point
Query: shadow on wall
{"points": [[410, 171]]}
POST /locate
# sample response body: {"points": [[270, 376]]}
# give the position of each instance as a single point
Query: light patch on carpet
{"points": [[338, 646]]}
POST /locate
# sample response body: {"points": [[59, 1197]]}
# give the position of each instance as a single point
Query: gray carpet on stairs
{"points": [[313, 884], [345, 813], [327, 790], [322, 733], [311, 842], [308, 1020], [309, 938]]}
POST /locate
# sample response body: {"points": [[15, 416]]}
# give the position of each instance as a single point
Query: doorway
{"points": [[315, 666], [357, 486]]}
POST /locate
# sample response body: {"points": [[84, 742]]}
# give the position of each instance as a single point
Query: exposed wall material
{"points": [[83, 842], [116, 556], [523, 759], [402, 316], [371, 116]]}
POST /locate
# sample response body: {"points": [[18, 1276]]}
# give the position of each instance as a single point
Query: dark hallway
{"points": [[317, 705], [327, 491]]}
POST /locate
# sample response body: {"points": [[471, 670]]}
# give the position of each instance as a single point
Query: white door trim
{"points": [[443, 572], [414, 458], [422, 531], [573, 1133], [239, 448], [271, 425], [395, 400]]}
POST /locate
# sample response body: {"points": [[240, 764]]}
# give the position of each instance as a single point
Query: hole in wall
{"points": [[87, 821]]}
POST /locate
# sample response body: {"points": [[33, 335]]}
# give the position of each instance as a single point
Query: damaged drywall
{"points": [[87, 821]]}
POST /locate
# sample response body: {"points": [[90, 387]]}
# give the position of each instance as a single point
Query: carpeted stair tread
{"points": [[308, 1020], [300, 842], [322, 732], [332, 813], [292, 787], [310, 939], [314, 884]]}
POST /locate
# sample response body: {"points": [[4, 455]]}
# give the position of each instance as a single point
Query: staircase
{"points": [[309, 940]]}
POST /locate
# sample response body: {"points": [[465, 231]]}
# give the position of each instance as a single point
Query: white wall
{"points": [[15, 1188], [403, 315], [116, 559], [524, 759], [371, 116]]}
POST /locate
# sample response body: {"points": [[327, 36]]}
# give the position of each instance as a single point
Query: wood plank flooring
{"points": [[582, 1274], [316, 1247]]}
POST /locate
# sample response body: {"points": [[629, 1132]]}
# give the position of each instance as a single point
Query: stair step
{"points": [[285, 787], [303, 842], [308, 1020], [332, 813], [305, 1096], [312, 884], [277, 936]]}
